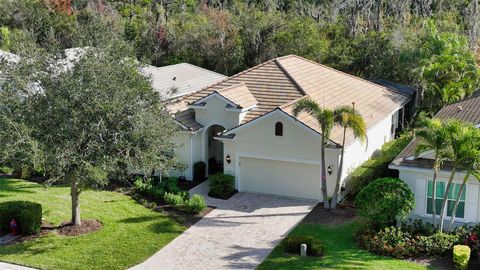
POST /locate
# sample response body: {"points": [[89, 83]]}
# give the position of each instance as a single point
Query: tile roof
{"points": [[466, 110], [281, 82], [240, 95], [184, 78]]}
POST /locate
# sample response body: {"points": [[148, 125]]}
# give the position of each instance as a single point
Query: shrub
{"points": [[27, 214], [195, 204], [396, 242], [199, 171], [385, 199], [173, 199], [461, 256], [221, 186], [142, 186], [418, 227], [5, 169], [170, 185], [291, 244], [376, 167]]}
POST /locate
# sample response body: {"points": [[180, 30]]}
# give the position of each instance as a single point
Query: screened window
{"points": [[278, 129], [452, 196]]}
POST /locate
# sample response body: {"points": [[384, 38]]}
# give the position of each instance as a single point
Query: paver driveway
{"points": [[239, 234]]}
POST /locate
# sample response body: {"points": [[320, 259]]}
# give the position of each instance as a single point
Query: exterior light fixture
{"points": [[329, 170], [229, 159]]}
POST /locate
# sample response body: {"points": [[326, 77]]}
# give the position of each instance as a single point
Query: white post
{"points": [[303, 250]]}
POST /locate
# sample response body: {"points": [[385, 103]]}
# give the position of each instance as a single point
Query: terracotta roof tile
{"points": [[283, 81]]}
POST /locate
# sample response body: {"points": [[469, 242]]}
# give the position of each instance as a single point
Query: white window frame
{"points": [[446, 205]]}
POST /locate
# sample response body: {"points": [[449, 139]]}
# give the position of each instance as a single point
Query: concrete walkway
{"points": [[8, 266], [239, 234]]}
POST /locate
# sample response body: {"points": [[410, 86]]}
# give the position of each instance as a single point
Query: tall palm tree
{"points": [[433, 137], [325, 120], [471, 165], [460, 141], [347, 118]]}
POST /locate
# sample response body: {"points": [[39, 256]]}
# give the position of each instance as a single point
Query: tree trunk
{"points": [[457, 201], [434, 192], [324, 176], [75, 193], [339, 173], [445, 198]]}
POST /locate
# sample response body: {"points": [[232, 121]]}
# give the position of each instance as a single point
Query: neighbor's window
{"points": [[278, 129], [452, 196]]}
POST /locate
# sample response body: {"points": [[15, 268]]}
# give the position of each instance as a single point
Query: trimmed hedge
{"points": [[27, 214], [376, 167], [221, 186], [384, 200], [461, 256], [291, 244]]}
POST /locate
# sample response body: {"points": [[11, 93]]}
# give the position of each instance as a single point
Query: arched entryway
{"points": [[214, 153]]}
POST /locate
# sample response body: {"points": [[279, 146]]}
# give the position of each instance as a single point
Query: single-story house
{"points": [[244, 126], [417, 172]]}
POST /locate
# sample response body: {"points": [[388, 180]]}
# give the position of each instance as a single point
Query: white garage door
{"points": [[280, 178]]}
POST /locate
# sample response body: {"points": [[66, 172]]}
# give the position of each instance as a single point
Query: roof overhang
{"points": [[277, 111]]}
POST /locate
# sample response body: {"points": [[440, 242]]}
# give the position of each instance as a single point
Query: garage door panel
{"points": [[280, 177]]}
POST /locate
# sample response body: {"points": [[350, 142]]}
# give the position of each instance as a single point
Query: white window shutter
{"points": [[471, 205], [420, 197]]}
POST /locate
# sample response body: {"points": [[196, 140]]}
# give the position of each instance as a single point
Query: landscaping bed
{"points": [[130, 233]]}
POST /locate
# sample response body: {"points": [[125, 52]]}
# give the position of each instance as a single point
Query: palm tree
{"points": [[347, 118], [471, 165], [325, 119], [460, 142], [433, 138]]}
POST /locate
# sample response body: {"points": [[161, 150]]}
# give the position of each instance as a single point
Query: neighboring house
{"points": [[417, 171], [180, 79], [244, 126]]}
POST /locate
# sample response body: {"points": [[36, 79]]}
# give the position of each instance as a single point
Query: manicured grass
{"points": [[130, 233], [341, 252]]}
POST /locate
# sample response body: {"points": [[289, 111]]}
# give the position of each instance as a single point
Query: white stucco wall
{"points": [[214, 112], [298, 144], [416, 179], [358, 152]]}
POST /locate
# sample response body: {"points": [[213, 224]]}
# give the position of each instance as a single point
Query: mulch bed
{"points": [[320, 215], [87, 226], [224, 197]]}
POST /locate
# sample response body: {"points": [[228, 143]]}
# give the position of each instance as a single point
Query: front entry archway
{"points": [[214, 153]]}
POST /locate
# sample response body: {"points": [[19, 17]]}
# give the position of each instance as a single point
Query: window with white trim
{"points": [[452, 196]]}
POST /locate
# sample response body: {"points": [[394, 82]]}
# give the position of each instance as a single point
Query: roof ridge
{"points": [[228, 78], [344, 73], [456, 102], [231, 87], [290, 77]]}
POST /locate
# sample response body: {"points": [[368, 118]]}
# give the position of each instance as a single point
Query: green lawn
{"points": [[130, 233], [341, 252]]}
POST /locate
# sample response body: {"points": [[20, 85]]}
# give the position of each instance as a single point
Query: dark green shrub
{"points": [[418, 227], [170, 184], [435, 245], [195, 204], [199, 171], [385, 199], [27, 214], [173, 199], [221, 186], [376, 167], [291, 244], [396, 242]]}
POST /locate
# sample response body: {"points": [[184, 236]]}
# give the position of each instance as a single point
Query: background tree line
{"points": [[414, 42]]}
